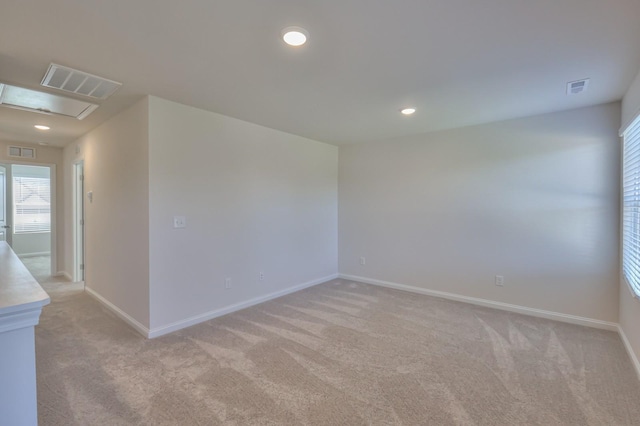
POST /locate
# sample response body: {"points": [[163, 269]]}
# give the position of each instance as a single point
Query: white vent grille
{"points": [[22, 152], [78, 82], [43, 103], [578, 86]]}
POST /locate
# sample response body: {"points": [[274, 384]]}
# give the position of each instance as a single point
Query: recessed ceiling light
{"points": [[43, 143], [41, 127], [407, 111], [295, 36]]}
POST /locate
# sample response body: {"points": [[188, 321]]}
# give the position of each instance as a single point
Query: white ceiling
{"points": [[459, 62]]}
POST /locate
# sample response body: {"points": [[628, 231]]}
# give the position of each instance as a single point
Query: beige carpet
{"points": [[40, 268], [340, 353]]}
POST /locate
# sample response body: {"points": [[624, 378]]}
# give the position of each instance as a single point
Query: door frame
{"points": [[78, 222], [8, 203]]}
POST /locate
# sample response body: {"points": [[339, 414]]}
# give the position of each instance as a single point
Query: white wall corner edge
{"points": [[188, 322], [118, 312], [572, 319], [632, 354], [64, 274]]}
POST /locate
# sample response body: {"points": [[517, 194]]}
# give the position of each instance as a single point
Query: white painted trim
{"points": [[78, 250], [36, 254], [118, 312], [169, 328], [53, 217], [632, 354], [21, 319], [572, 319], [64, 274]]}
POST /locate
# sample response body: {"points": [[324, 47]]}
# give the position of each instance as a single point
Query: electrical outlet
{"points": [[227, 283], [179, 222], [500, 280], [261, 276], [363, 261]]}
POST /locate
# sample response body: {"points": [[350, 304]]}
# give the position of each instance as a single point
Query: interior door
{"points": [[5, 203]]}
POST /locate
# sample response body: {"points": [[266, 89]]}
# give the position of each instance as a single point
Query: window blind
{"points": [[32, 204], [631, 205]]}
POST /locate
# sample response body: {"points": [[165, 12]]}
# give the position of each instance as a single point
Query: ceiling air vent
{"points": [[578, 86], [78, 82], [43, 103]]}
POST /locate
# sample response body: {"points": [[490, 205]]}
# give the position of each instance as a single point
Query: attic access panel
{"points": [[44, 103]]}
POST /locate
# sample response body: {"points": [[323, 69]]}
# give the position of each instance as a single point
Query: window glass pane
{"points": [[32, 204]]}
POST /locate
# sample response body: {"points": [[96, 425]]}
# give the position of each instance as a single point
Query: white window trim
{"points": [[632, 128]]}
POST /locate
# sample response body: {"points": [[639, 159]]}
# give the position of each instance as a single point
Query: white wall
{"points": [[117, 222], [255, 199], [629, 306], [48, 155], [533, 199], [31, 243]]}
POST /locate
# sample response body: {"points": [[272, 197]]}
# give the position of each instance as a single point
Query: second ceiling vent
{"points": [[78, 82], [578, 86]]}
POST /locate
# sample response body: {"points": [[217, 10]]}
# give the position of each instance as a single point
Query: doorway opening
{"points": [[26, 215]]}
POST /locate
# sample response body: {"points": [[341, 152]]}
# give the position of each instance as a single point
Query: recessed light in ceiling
{"points": [[43, 144], [41, 127], [295, 36], [407, 111]]}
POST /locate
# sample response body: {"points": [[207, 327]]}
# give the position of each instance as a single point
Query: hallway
{"points": [[40, 268]]}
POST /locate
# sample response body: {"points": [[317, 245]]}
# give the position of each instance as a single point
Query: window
{"points": [[631, 206], [32, 204]]}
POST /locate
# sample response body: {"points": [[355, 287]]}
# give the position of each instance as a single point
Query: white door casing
{"points": [[78, 221], [5, 203]]}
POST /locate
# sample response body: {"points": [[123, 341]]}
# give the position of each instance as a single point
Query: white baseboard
{"points": [[64, 274], [169, 328], [118, 312], [630, 351], [36, 254], [573, 319], [160, 331]]}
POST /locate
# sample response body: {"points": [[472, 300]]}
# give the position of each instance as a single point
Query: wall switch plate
{"points": [[500, 280], [179, 222], [363, 261], [227, 283]]}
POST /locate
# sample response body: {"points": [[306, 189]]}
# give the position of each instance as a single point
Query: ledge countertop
{"points": [[19, 291]]}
